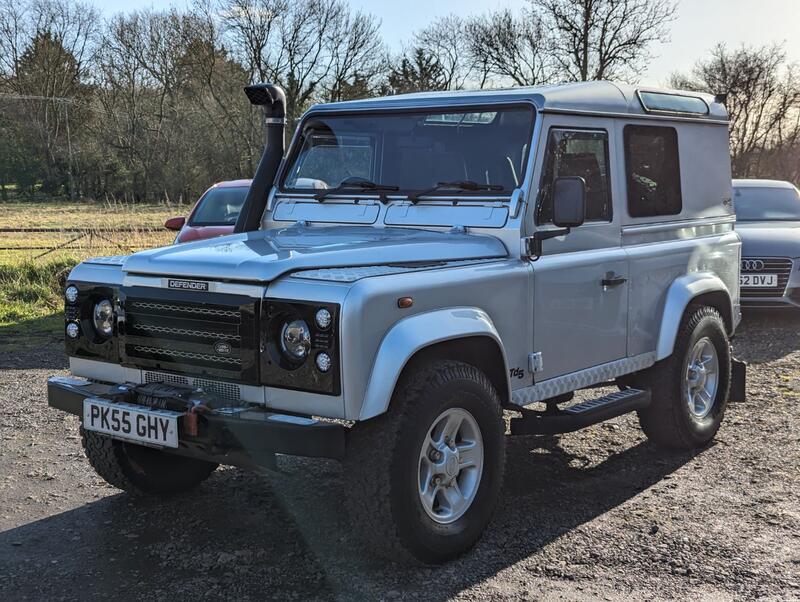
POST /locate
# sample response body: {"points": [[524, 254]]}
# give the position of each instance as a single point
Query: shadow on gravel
{"points": [[766, 335], [287, 536], [230, 539]]}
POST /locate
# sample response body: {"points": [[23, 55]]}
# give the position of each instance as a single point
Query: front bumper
{"points": [[243, 436], [789, 300]]}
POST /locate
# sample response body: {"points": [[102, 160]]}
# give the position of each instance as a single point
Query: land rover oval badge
{"points": [[222, 348]]}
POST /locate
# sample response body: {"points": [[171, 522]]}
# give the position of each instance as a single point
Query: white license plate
{"points": [[758, 280], [131, 422]]}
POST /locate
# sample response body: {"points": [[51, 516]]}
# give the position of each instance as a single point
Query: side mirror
{"points": [[175, 223], [569, 202]]}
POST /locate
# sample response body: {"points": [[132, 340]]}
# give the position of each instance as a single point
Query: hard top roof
{"points": [[753, 183], [583, 97], [232, 184]]}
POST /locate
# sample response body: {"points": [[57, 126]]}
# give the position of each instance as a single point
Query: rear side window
{"points": [[652, 170], [581, 153]]}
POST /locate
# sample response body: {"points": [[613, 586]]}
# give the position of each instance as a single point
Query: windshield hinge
{"points": [[515, 202]]}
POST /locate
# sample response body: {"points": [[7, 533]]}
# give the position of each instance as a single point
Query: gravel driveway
{"points": [[594, 514]]}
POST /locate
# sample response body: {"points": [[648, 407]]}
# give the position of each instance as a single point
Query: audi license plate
{"points": [[131, 422], [758, 280]]}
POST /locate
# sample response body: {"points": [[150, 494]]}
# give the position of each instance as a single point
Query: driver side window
{"points": [[582, 153]]}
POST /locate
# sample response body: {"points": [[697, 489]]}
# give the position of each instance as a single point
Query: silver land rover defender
{"points": [[410, 268]]}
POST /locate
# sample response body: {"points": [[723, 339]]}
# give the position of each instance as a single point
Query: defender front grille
{"points": [[185, 331], [782, 266], [209, 335], [186, 355], [170, 308], [228, 391]]}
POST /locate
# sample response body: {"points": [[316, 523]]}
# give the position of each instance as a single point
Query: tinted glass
{"points": [[219, 207], [577, 153], [673, 103], [766, 204], [413, 150], [653, 171]]}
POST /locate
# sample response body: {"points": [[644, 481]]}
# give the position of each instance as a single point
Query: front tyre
{"points": [[143, 470], [689, 389], [424, 479]]}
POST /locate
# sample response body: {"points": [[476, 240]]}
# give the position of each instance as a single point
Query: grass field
{"points": [[34, 265], [145, 220]]}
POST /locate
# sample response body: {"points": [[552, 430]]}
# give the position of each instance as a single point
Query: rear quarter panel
{"points": [[655, 265], [699, 239]]}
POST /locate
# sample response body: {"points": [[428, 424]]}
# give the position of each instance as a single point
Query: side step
{"points": [[580, 415]]}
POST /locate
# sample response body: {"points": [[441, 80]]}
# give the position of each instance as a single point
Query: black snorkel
{"points": [[272, 101]]}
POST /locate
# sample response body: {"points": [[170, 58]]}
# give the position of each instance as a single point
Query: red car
{"points": [[214, 214]]}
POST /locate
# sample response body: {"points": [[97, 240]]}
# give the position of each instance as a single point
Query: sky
{"points": [[699, 25]]}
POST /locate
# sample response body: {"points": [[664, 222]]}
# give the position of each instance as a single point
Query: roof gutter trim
{"points": [[631, 116]]}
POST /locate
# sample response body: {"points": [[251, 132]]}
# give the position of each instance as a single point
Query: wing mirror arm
{"points": [[532, 245]]}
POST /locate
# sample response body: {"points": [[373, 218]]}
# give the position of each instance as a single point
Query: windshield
{"points": [[766, 204], [415, 150], [219, 207]]}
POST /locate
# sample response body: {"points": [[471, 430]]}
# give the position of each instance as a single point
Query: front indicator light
{"points": [[71, 294], [72, 330], [323, 318], [104, 318], [323, 362]]}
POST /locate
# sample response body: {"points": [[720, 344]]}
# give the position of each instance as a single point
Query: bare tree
{"points": [[511, 48], [217, 84], [253, 27], [46, 51], [14, 35], [297, 44], [357, 55], [604, 39], [763, 101], [138, 90], [445, 41]]}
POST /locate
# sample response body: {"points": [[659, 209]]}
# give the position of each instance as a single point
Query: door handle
{"points": [[613, 280]]}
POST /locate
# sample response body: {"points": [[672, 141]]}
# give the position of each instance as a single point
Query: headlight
{"points": [[300, 346], [295, 339], [104, 318], [71, 294]]}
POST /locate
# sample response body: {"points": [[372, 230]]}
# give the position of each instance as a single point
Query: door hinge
{"points": [[535, 362]]}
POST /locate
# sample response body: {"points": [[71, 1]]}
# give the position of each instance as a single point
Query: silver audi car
{"points": [[768, 221]]}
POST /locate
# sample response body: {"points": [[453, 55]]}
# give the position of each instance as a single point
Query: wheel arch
{"points": [[463, 334], [701, 288]]}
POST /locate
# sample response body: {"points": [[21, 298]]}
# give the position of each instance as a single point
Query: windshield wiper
{"points": [[461, 185], [356, 183]]}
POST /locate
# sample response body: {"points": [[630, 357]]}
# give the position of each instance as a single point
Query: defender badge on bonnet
{"points": [[189, 285]]}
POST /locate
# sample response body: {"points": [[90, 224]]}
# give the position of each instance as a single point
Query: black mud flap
{"points": [[738, 392]]}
